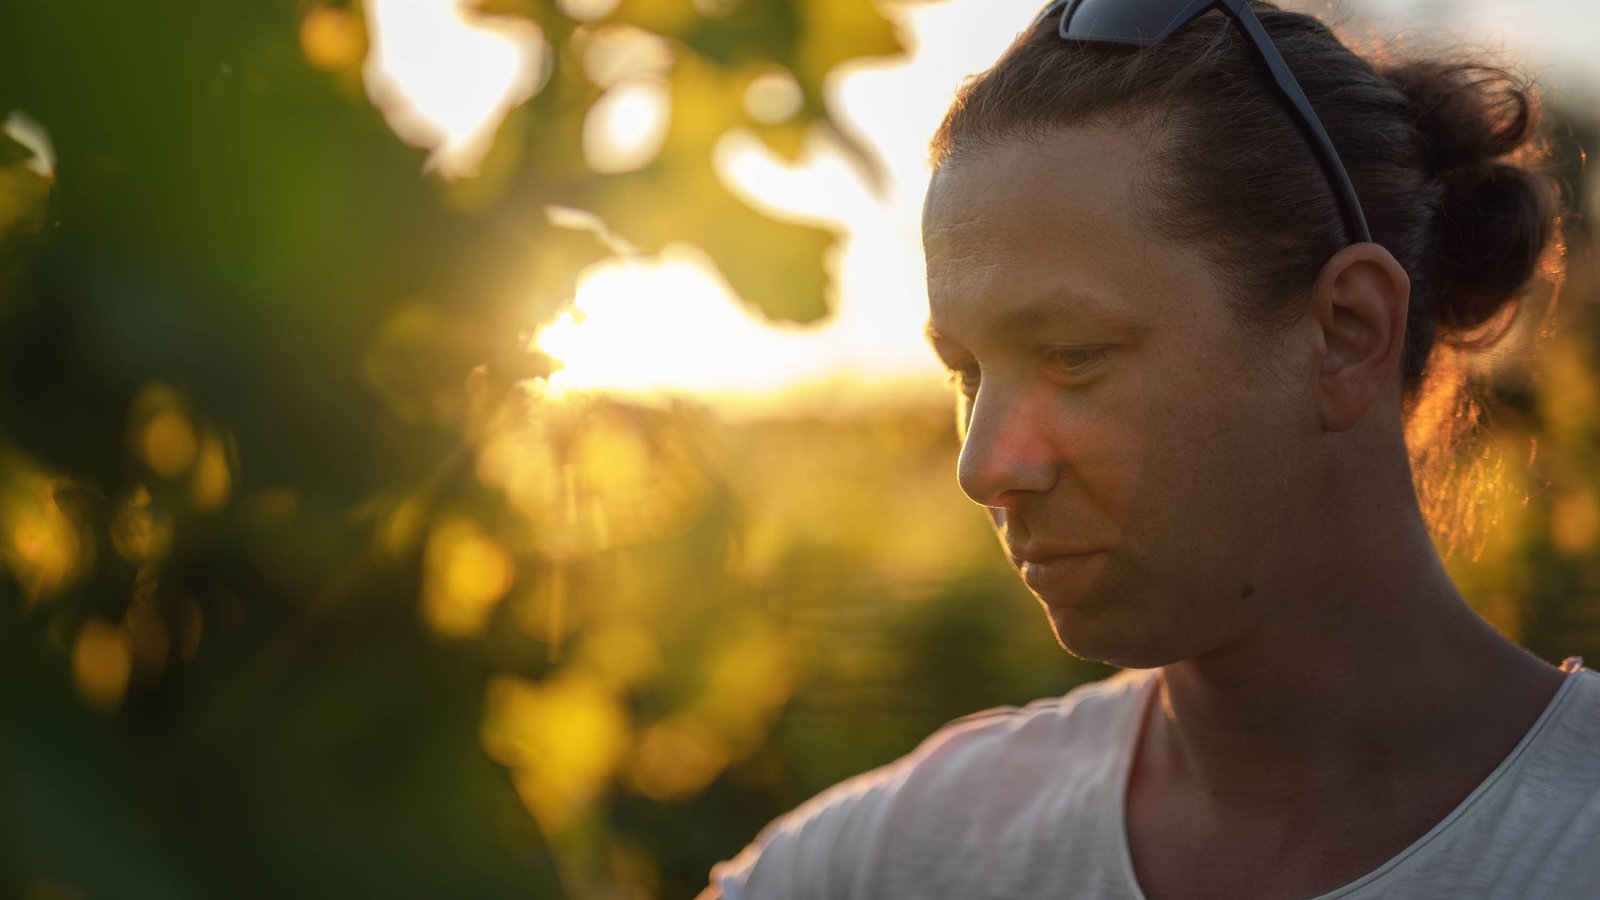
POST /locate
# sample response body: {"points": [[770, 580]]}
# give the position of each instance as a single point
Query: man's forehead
{"points": [[1022, 209], [1048, 234]]}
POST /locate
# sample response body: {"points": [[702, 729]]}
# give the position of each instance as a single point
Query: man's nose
{"points": [[1006, 450]]}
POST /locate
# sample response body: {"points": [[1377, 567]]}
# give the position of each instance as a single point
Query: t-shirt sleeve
{"points": [[982, 796], [816, 851], [825, 847]]}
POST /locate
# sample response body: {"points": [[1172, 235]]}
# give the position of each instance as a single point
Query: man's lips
{"points": [[1035, 556], [1059, 575]]}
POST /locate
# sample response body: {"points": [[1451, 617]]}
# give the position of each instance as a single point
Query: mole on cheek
{"points": [[1248, 592]]}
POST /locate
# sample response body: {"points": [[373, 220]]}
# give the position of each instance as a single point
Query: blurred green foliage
{"points": [[307, 587], [296, 604]]}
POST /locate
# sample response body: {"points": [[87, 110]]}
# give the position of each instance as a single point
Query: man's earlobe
{"points": [[1359, 305]]}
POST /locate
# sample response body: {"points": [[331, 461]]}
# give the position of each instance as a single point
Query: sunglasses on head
{"points": [[1145, 23]]}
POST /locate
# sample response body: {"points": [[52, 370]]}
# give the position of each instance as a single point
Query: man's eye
{"points": [[1074, 362]]}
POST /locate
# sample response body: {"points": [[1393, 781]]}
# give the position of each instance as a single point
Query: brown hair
{"points": [[1441, 152]]}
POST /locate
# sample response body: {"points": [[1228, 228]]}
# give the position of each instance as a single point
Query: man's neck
{"points": [[1322, 745], [1356, 715], [1369, 678]]}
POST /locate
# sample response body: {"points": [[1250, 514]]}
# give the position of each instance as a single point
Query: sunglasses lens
{"points": [[1139, 22]]}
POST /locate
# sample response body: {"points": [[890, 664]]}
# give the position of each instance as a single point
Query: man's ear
{"points": [[1358, 308]]}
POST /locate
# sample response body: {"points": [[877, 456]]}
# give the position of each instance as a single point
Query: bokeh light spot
{"points": [[465, 575], [102, 659], [563, 739], [627, 126], [675, 760], [40, 545], [168, 444], [161, 432], [332, 39], [212, 478], [773, 97]]}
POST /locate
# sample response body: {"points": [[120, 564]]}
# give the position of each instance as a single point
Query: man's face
{"points": [[1144, 456]]}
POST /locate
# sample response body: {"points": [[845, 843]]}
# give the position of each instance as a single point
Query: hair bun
{"points": [[1495, 215], [1467, 113]]}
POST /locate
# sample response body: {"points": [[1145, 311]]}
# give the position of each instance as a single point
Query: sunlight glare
{"points": [[671, 324], [444, 78], [642, 324]]}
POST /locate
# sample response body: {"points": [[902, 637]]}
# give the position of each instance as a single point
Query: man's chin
{"points": [[1095, 639]]}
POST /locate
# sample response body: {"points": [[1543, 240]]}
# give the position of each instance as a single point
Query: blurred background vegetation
{"points": [[312, 583]]}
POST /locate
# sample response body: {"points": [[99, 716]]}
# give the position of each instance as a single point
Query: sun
{"points": [[669, 323]]}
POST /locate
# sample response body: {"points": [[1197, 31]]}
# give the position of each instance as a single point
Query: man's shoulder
{"points": [[937, 805], [1088, 719], [1078, 727]]}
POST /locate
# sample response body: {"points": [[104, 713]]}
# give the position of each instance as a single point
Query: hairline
{"points": [[1154, 125]]}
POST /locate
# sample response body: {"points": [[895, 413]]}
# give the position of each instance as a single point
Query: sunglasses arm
{"points": [[1355, 219]]}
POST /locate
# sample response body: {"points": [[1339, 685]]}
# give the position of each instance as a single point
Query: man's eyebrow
{"points": [[1059, 308], [1048, 309]]}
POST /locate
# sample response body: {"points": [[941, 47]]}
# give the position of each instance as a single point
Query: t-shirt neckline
{"points": [[1141, 709]]}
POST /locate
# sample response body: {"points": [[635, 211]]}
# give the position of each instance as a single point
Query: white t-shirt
{"points": [[1028, 803]]}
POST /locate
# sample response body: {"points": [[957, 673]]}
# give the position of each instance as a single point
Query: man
{"points": [[1222, 506]]}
